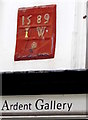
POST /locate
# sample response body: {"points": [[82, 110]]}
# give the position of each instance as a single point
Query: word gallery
{"points": [[36, 33]]}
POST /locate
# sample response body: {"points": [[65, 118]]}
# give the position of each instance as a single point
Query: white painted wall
{"points": [[79, 36], [70, 39]]}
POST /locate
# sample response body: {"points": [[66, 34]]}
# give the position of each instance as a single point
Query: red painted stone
{"points": [[36, 33]]}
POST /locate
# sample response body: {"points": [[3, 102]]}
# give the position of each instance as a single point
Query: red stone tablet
{"points": [[36, 33]]}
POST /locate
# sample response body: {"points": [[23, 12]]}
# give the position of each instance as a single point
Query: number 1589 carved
{"points": [[36, 33]]}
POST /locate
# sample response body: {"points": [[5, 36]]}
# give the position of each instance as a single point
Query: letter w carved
{"points": [[41, 31]]}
